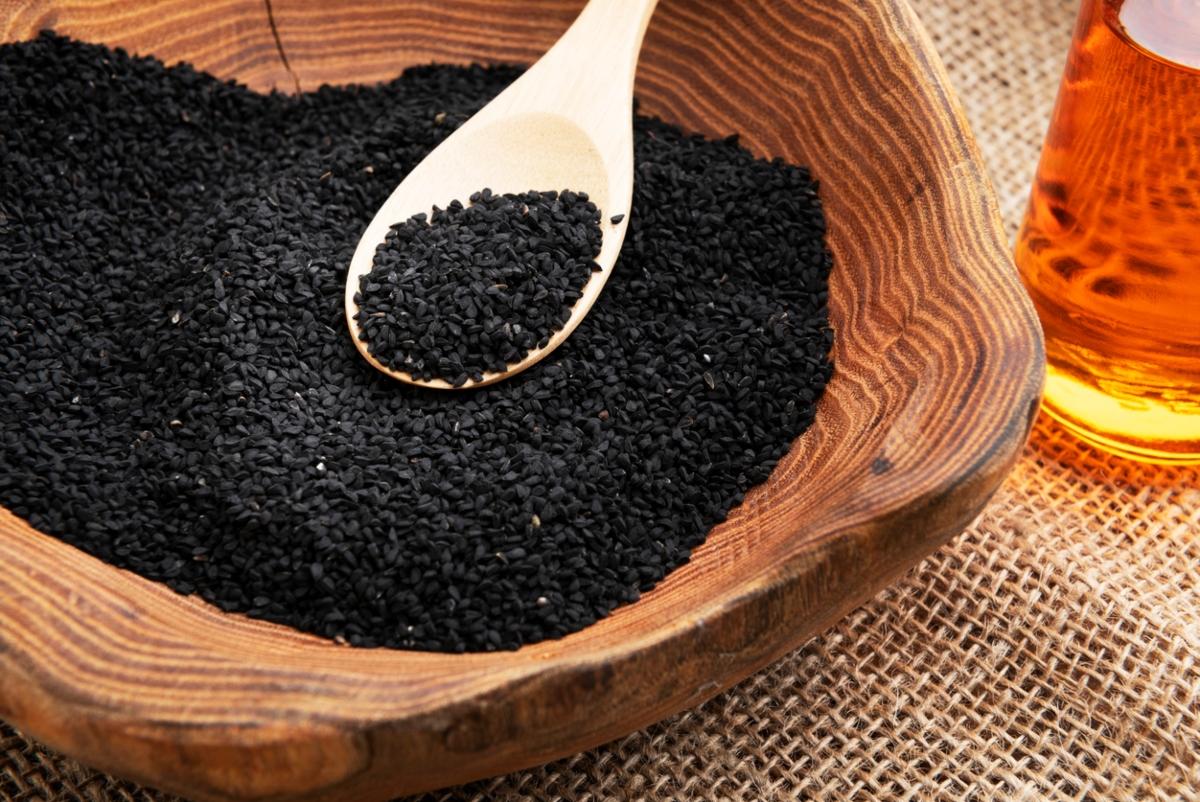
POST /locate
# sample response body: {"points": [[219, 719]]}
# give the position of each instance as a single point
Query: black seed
{"points": [[475, 288], [172, 263], [616, 218]]}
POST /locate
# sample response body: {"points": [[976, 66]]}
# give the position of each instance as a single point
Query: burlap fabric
{"points": [[1052, 652]]}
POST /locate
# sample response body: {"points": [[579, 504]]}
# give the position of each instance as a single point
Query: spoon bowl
{"points": [[567, 123], [517, 153]]}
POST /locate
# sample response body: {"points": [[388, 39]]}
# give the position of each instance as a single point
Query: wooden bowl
{"points": [[938, 370]]}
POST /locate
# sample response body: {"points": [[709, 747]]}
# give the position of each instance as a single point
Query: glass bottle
{"points": [[1110, 245]]}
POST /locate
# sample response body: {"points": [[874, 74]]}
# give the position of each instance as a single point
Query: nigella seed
{"points": [[308, 489], [439, 285]]}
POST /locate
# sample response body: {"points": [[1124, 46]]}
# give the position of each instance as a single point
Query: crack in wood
{"points": [[279, 45]]}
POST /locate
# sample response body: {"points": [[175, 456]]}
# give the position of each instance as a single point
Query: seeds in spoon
{"points": [[475, 288]]}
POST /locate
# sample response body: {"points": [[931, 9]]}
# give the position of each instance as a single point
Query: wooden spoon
{"points": [[567, 123]]}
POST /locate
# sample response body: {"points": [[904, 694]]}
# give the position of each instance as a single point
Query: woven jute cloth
{"points": [[1051, 652]]}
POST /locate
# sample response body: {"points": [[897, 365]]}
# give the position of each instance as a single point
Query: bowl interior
{"points": [[937, 372]]}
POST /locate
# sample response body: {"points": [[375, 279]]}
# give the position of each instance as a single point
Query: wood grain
{"points": [[225, 37], [938, 371]]}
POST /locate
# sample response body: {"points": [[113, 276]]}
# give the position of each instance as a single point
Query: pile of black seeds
{"points": [[476, 288], [179, 394]]}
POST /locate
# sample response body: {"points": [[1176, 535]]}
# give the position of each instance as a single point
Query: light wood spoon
{"points": [[567, 123]]}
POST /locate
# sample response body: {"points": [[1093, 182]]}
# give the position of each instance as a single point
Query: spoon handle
{"points": [[589, 72], [605, 39]]}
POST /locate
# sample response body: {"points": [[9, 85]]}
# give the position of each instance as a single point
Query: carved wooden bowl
{"points": [[938, 367]]}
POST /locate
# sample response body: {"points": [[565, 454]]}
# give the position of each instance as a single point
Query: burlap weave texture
{"points": [[1052, 652]]}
